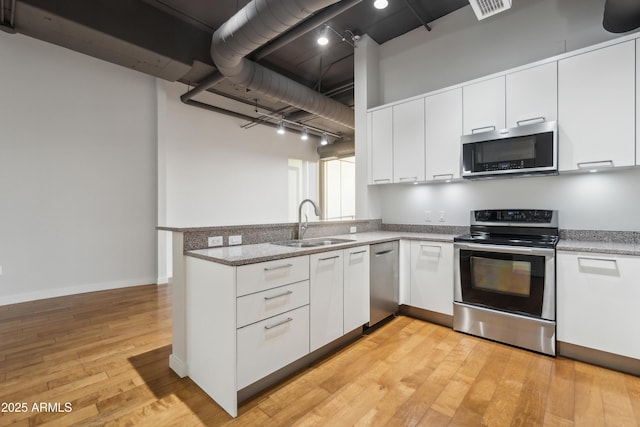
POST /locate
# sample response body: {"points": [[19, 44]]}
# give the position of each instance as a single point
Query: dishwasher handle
{"points": [[383, 252]]}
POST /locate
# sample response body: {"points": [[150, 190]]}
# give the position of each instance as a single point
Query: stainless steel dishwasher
{"points": [[384, 281]]}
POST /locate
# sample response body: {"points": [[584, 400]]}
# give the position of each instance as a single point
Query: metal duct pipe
{"points": [[256, 24], [621, 16]]}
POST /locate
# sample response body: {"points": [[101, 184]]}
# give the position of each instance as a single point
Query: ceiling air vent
{"points": [[487, 8]]}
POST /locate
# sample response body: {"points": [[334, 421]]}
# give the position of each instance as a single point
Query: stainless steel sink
{"points": [[312, 243]]}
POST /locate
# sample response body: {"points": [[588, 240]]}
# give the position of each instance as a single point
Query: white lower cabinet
{"points": [[598, 300], [326, 298], [356, 287], [432, 276], [271, 344]]}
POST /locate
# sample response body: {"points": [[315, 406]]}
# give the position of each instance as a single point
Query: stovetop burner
{"points": [[519, 227]]}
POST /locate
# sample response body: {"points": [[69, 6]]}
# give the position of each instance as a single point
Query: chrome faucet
{"points": [[302, 228]]}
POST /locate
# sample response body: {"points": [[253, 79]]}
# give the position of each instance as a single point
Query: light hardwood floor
{"points": [[106, 354]]}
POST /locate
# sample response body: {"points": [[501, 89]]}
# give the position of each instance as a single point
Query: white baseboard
{"points": [[162, 280], [72, 290], [178, 366]]}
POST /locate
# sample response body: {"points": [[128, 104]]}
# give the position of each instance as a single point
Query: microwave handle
{"points": [[533, 119], [519, 250]]}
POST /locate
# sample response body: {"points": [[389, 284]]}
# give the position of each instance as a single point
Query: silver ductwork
{"points": [[256, 24]]}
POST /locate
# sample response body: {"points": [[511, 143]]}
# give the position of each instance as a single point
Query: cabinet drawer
{"points": [[259, 306], [271, 344], [270, 274]]}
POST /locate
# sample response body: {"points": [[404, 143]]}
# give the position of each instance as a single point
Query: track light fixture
{"points": [[324, 140], [380, 4], [305, 134], [323, 40], [348, 37], [281, 128]]}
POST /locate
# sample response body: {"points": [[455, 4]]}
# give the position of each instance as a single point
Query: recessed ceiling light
{"points": [[380, 4], [323, 40]]}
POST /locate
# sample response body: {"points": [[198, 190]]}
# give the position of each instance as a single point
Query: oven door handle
{"points": [[520, 250]]}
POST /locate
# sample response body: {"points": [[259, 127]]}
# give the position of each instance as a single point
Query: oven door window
{"points": [[510, 282]]}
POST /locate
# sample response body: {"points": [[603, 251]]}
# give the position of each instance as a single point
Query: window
{"points": [[338, 181]]}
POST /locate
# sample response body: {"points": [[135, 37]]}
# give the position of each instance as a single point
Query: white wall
{"points": [[220, 174], [461, 48], [77, 173], [592, 201]]}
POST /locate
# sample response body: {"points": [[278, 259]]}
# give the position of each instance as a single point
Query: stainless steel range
{"points": [[505, 278]]}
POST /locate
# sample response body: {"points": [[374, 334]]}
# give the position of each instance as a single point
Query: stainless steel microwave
{"points": [[524, 150]]}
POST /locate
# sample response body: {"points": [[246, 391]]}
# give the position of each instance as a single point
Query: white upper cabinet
{"points": [[484, 106], [443, 128], [408, 141], [532, 95], [381, 146], [596, 108]]}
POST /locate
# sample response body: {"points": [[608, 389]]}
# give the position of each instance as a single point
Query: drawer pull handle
{"points": [[359, 252], [287, 320], [529, 121], [442, 176], [382, 180], [284, 294], [599, 163], [328, 258], [280, 267], [407, 178], [483, 129]]}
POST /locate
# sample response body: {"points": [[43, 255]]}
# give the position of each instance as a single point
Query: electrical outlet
{"points": [[235, 240], [427, 216], [214, 241], [353, 229], [443, 216]]}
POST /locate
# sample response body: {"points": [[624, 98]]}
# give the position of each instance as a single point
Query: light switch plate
{"points": [[235, 240], [443, 216], [214, 241]]}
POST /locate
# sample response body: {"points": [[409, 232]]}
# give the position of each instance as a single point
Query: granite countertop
{"points": [[249, 254], [604, 247]]}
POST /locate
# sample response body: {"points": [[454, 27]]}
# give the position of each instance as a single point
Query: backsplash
{"points": [[418, 228], [601, 236], [196, 238]]}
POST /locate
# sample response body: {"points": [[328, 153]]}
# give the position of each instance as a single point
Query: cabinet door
{"points": [[271, 344], [443, 119], [532, 94], [381, 137], [598, 298], [356, 287], [408, 141], [596, 108], [432, 276], [483, 106], [326, 299]]}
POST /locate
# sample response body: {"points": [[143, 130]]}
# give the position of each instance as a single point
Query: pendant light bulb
{"points": [[380, 4], [305, 134], [323, 40]]}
